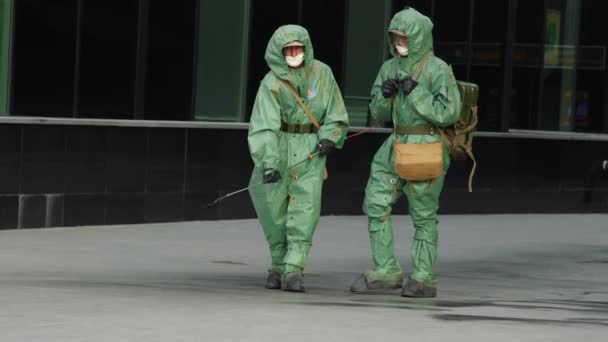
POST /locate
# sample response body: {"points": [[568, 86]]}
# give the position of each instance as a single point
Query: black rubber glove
{"points": [[325, 147], [271, 176], [390, 87], [407, 84]]}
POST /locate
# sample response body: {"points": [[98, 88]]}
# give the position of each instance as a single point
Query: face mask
{"points": [[402, 50], [295, 61]]}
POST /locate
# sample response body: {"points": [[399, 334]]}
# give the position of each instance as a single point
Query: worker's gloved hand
{"points": [[407, 84], [271, 176], [390, 87], [325, 147]]}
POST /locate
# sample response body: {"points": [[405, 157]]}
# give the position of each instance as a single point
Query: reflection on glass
{"points": [[559, 65]]}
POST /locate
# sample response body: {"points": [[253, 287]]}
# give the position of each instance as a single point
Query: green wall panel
{"points": [[366, 50], [5, 36], [222, 60]]}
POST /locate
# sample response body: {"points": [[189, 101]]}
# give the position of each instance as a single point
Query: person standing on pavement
{"points": [[418, 106], [298, 111]]}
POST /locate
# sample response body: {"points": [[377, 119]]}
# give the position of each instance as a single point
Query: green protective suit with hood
{"points": [[434, 102], [289, 209]]}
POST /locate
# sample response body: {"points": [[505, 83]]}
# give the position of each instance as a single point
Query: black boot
{"points": [[294, 282], [273, 281], [415, 289]]}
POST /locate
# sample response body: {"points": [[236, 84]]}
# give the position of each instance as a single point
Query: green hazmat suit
{"points": [[435, 102], [289, 209]]}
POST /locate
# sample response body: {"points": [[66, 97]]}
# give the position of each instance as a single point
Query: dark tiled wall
{"points": [[80, 175], [513, 176]]}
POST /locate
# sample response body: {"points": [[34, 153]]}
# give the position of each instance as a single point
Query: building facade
{"points": [[128, 111]]}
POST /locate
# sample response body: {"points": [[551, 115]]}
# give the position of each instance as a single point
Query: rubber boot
{"points": [[294, 282], [415, 289], [273, 281], [368, 282]]}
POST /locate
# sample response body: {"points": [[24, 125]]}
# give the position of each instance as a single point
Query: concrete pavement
{"points": [[502, 278]]}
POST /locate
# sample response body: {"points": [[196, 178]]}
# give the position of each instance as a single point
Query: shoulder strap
{"points": [[295, 94], [421, 66]]}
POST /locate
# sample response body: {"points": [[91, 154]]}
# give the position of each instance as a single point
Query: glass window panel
{"points": [[423, 6], [108, 57], [487, 60], [590, 112], [452, 20], [170, 60], [324, 21], [44, 81], [527, 64], [5, 38], [450, 35], [558, 75]]}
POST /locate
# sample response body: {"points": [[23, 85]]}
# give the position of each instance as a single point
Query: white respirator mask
{"points": [[295, 61], [402, 50]]}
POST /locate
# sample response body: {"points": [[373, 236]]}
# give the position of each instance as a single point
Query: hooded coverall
{"points": [[434, 102], [289, 209]]}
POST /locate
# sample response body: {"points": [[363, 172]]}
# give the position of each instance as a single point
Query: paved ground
{"points": [[502, 278]]}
